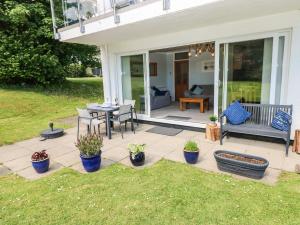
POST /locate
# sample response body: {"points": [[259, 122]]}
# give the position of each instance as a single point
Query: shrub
{"points": [[39, 156], [191, 146], [213, 118], [90, 144], [135, 149]]}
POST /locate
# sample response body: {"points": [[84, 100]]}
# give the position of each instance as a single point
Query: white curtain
{"points": [[126, 78]]}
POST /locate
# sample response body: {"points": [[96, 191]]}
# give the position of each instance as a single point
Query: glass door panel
{"points": [[280, 59], [246, 69], [133, 77], [221, 78]]}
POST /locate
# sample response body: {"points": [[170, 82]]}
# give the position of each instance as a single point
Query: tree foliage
{"points": [[28, 51]]}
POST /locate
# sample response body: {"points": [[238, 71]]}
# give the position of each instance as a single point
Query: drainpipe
{"points": [[116, 17], [56, 35], [82, 29], [166, 4]]}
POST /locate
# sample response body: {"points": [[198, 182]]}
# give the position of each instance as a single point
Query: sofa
{"points": [[159, 99], [207, 91]]}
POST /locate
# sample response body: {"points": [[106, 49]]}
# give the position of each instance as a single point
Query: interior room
{"points": [[182, 83]]}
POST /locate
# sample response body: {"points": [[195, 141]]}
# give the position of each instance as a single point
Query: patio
{"points": [[16, 158]]}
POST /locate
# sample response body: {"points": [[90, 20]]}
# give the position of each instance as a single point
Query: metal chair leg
{"points": [[121, 130], [137, 122], [132, 125]]}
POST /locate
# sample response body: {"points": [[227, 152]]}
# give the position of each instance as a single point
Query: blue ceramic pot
{"points": [[91, 163], [191, 157], [41, 166]]}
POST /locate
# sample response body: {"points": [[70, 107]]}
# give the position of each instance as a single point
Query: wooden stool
{"points": [[296, 146], [212, 132]]}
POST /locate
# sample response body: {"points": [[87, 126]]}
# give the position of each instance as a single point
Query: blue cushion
{"points": [[282, 121], [236, 114]]}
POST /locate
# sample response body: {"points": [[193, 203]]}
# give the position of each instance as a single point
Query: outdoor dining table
{"points": [[108, 110]]}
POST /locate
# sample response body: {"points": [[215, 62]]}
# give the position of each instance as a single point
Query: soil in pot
{"points": [[138, 160], [91, 163], [242, 158]]}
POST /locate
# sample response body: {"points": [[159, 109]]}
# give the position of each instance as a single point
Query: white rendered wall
{"points": [[225, 32], [196, 73], [161, 79]]}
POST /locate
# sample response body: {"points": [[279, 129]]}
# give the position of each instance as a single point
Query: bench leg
{"points": [[287, 145], [221, 137]]}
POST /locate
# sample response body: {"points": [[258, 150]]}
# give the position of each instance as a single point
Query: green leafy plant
{"points": [[90, 144], [213, 118], [191, 146], [135, 149]]}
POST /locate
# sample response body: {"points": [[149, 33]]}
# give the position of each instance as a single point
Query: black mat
{"points": [[177, 118], [164, 131]]}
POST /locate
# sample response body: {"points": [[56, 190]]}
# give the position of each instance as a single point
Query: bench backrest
{"points": [[263, 113]]}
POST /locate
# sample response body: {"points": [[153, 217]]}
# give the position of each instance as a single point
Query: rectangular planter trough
{"points": [[241, 164]]}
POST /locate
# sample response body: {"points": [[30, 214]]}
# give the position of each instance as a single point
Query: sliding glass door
{"points": [[251, 71], [133, 78]]}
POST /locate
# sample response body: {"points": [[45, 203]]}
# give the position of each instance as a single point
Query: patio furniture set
{"points": [[108, 114]]}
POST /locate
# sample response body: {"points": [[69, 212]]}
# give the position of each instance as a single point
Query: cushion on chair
{"points": [[281, 121], [198, 91], [236, 114], [158, 92]]}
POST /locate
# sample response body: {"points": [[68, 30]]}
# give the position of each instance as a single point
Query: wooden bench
{"points": [[259, 123]]}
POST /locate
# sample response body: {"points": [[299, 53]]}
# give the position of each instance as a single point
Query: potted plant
{"points": [[136, 154], [191, 152], [213, 119], [90, 151], [40, 161]]}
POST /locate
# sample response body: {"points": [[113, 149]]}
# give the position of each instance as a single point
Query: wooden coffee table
{"points": [[204, 102]]}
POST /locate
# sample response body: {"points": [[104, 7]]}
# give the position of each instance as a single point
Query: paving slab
{"points": [[11, 152], [68, 159], [115, 154], [188, 135], [289, 164], [59, 150], [4, 170], [176, 156], [168, 145], [19, 163], [30, 174]]}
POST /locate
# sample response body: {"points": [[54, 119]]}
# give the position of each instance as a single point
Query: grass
{"points": [[166, 193], [249, 91], [25, 111]]}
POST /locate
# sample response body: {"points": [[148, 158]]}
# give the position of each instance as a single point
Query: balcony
{"points": [[100, 22], [67, 14]]}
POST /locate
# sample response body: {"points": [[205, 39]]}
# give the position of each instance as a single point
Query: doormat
{"points": [[164, 131], [177, 118]]}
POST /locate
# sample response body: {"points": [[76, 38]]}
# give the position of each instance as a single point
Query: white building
{"points": [[233, 49]]}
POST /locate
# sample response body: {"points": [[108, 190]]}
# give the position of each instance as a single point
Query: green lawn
{"points": [[25, 111], [166, 193]]}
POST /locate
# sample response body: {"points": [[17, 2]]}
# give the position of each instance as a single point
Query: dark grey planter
{"points": [[240, 167]]}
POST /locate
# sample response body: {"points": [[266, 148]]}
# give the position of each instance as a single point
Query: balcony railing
{"points": [[69, 12]]}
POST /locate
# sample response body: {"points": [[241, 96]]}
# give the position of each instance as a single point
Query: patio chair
{"points": [[95, 113], [124, 115], [86, 118], [132, 103]]}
